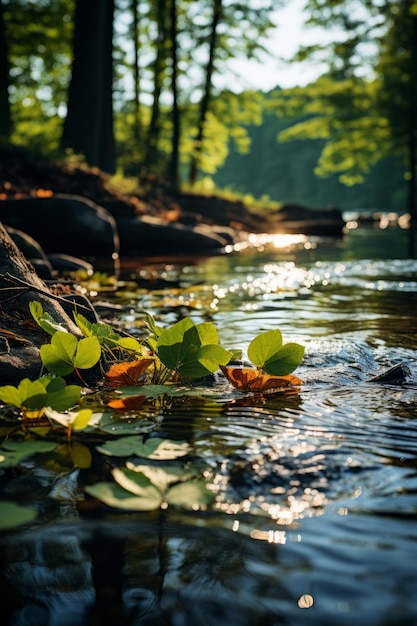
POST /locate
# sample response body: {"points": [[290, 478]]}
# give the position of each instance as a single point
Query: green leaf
{"points": [[264, 346], [162, 449], [115, 496], [12, 515], [115, 425], [152, 448], [82, 419], [191, 350], [285, 361], [29, 394], [136, 482], [64, 399], [66, 353], [267, 352], [44, 319], [162, 476], [152, 325], [124, 446], [13, 452], [190, 494]]}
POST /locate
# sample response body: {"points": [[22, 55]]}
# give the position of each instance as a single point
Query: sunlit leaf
{"points": [[13, 515], [44, 319], [82, 419], [286, 360], [247, 379], [115, 496], [162, 449], [127, 373], [29, 394], [264, 346], [66, 353], [268, 353], [137, 483], [162, 476]]}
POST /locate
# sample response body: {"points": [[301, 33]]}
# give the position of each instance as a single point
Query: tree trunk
{"points": [[205, 101], [174, 165], [5, 116], [159, 69], [136, 76], [88, 127]]}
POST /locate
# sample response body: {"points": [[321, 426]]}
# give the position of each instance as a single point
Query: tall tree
{"points": [[88, 127], [5, 116], [362, 116], [206, 97], [174, 164], [159, 72]]}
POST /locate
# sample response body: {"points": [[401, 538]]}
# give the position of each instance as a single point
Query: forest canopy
{"points": [[132, 87]]}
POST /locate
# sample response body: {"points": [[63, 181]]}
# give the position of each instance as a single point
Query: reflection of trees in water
{"points": [[134, 574]]}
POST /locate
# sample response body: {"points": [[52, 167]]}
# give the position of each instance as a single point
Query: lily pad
{"points": [[152, 448], [12, 515], [115, 496], [190, 494]]}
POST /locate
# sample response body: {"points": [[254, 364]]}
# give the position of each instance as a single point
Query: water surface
{"points": [[316, 492]]}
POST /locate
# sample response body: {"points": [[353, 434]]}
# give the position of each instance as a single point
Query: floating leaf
{"points": [[127, 404], [115, 496], [162, 476], [127, 373], [152, 448], [124, 446], [267, 352], [163, 449], [137, 483], [13, 452], [12, 515], [190, 494], [66, 353], [121, 425], [247, 379]]}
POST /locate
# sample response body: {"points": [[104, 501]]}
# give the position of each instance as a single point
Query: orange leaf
{"points": [[128, 373], [127, 404], [247, 379]]}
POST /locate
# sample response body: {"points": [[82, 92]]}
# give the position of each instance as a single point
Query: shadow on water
{"points": [[316, 491]]}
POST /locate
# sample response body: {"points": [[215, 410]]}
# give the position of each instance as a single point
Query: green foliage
{"points": [[13, 452], [13, 515], [114, 345], [269, 354], [44, 319], [66, 353], [150, 448], [190, 350], [147, 488], [33, 396]]}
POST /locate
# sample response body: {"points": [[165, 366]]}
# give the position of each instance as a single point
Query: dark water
{"points": [[315, 520]]}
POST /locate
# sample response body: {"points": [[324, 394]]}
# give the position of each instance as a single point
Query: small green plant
{"points": [[66, 354], [187, 349], [269, 354], [32, 397]]}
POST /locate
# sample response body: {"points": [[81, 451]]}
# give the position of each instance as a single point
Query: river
{"points": [[315, 516]]}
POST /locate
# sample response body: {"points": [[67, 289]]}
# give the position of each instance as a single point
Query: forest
{"points": [[132, 88]]}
